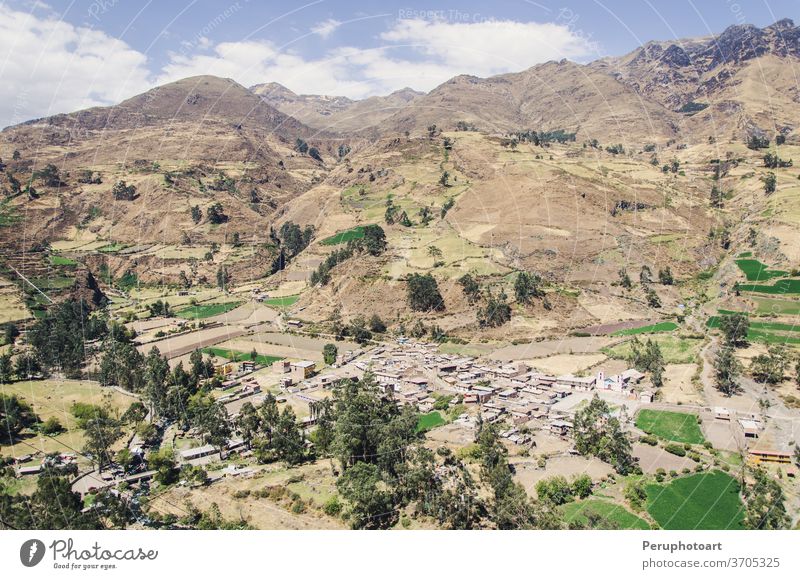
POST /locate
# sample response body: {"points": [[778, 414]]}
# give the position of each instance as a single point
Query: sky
{"points": [[65, 55]]}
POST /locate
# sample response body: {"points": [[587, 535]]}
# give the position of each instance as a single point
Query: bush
{"points": [[649, 439], [675, 449], [332, 507], [51, 427]]}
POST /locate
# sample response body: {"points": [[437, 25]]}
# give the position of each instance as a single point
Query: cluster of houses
{"points": [[514, 393]]}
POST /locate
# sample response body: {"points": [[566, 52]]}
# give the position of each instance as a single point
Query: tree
{"points": [[301, 146], [59, 338], [665, 276], [765, 508], [49, 176], [359, 331], [101, 431], [599, 434], [495, 312], [648, 358], [770, 368], [554, 489], [582, 486], [123, 192], [6, 368], [329, 353], [371, 501], [652, 298], [211, 419], [770, 183], [376, 324], [470, 287], [624, 279], [197, 214], [15, 415], [734, 328], [444, 179], [248, 423], [163, 462], [645, 275], [374, 240], [216, 214], [287, 439], [726, 371], [527, 286], [314, 153], [423, 293]]}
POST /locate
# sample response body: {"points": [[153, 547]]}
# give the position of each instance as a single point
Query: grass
{"points": [[677, 426], [780, 287], [651, 329], [206, 310], [283, 302], [356, 232], [745, 254], [60, 260], [754, 270], [577, 511], [675, 350], [238, 356], [112, 247], [777, 307], [702, 501], [429, 421], [766, 331]]}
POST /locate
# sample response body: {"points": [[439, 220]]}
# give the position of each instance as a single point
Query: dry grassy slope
{"points": [[554, 95], [513, 211], [339, 114]]}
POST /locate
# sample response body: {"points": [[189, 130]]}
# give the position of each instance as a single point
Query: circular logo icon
{"points": [[31, 552]]}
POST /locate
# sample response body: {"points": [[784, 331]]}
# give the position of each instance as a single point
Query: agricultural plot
{"points": [[702, 501], [237, 356], [619, 516], [675, 350], [356, 232], [768, 332], [282, 302], [652, 329], [61, 260], [429, 421], [776, 306], [754, 270], [112, 247], [206, 310], [780, 287], [677, 426]]}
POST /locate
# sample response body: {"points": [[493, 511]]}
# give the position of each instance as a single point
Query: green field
{"points": [[112, 247], [652, 329], [780, 287], [60, 260], [745, 254], [283, 302], [777, 307], [766, 331], [754, 270], [429, 421], [238, 356], [206, 310], [674, 349], [576, 511], [356, 232], [675, 426], [707, 501]]}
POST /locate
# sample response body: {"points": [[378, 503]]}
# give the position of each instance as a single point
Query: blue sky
{"points": [[59, 56]]}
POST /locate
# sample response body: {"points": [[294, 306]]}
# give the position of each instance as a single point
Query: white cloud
{"points": [[488, 47], [417, 53], [326, 28], [48, 66]]}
